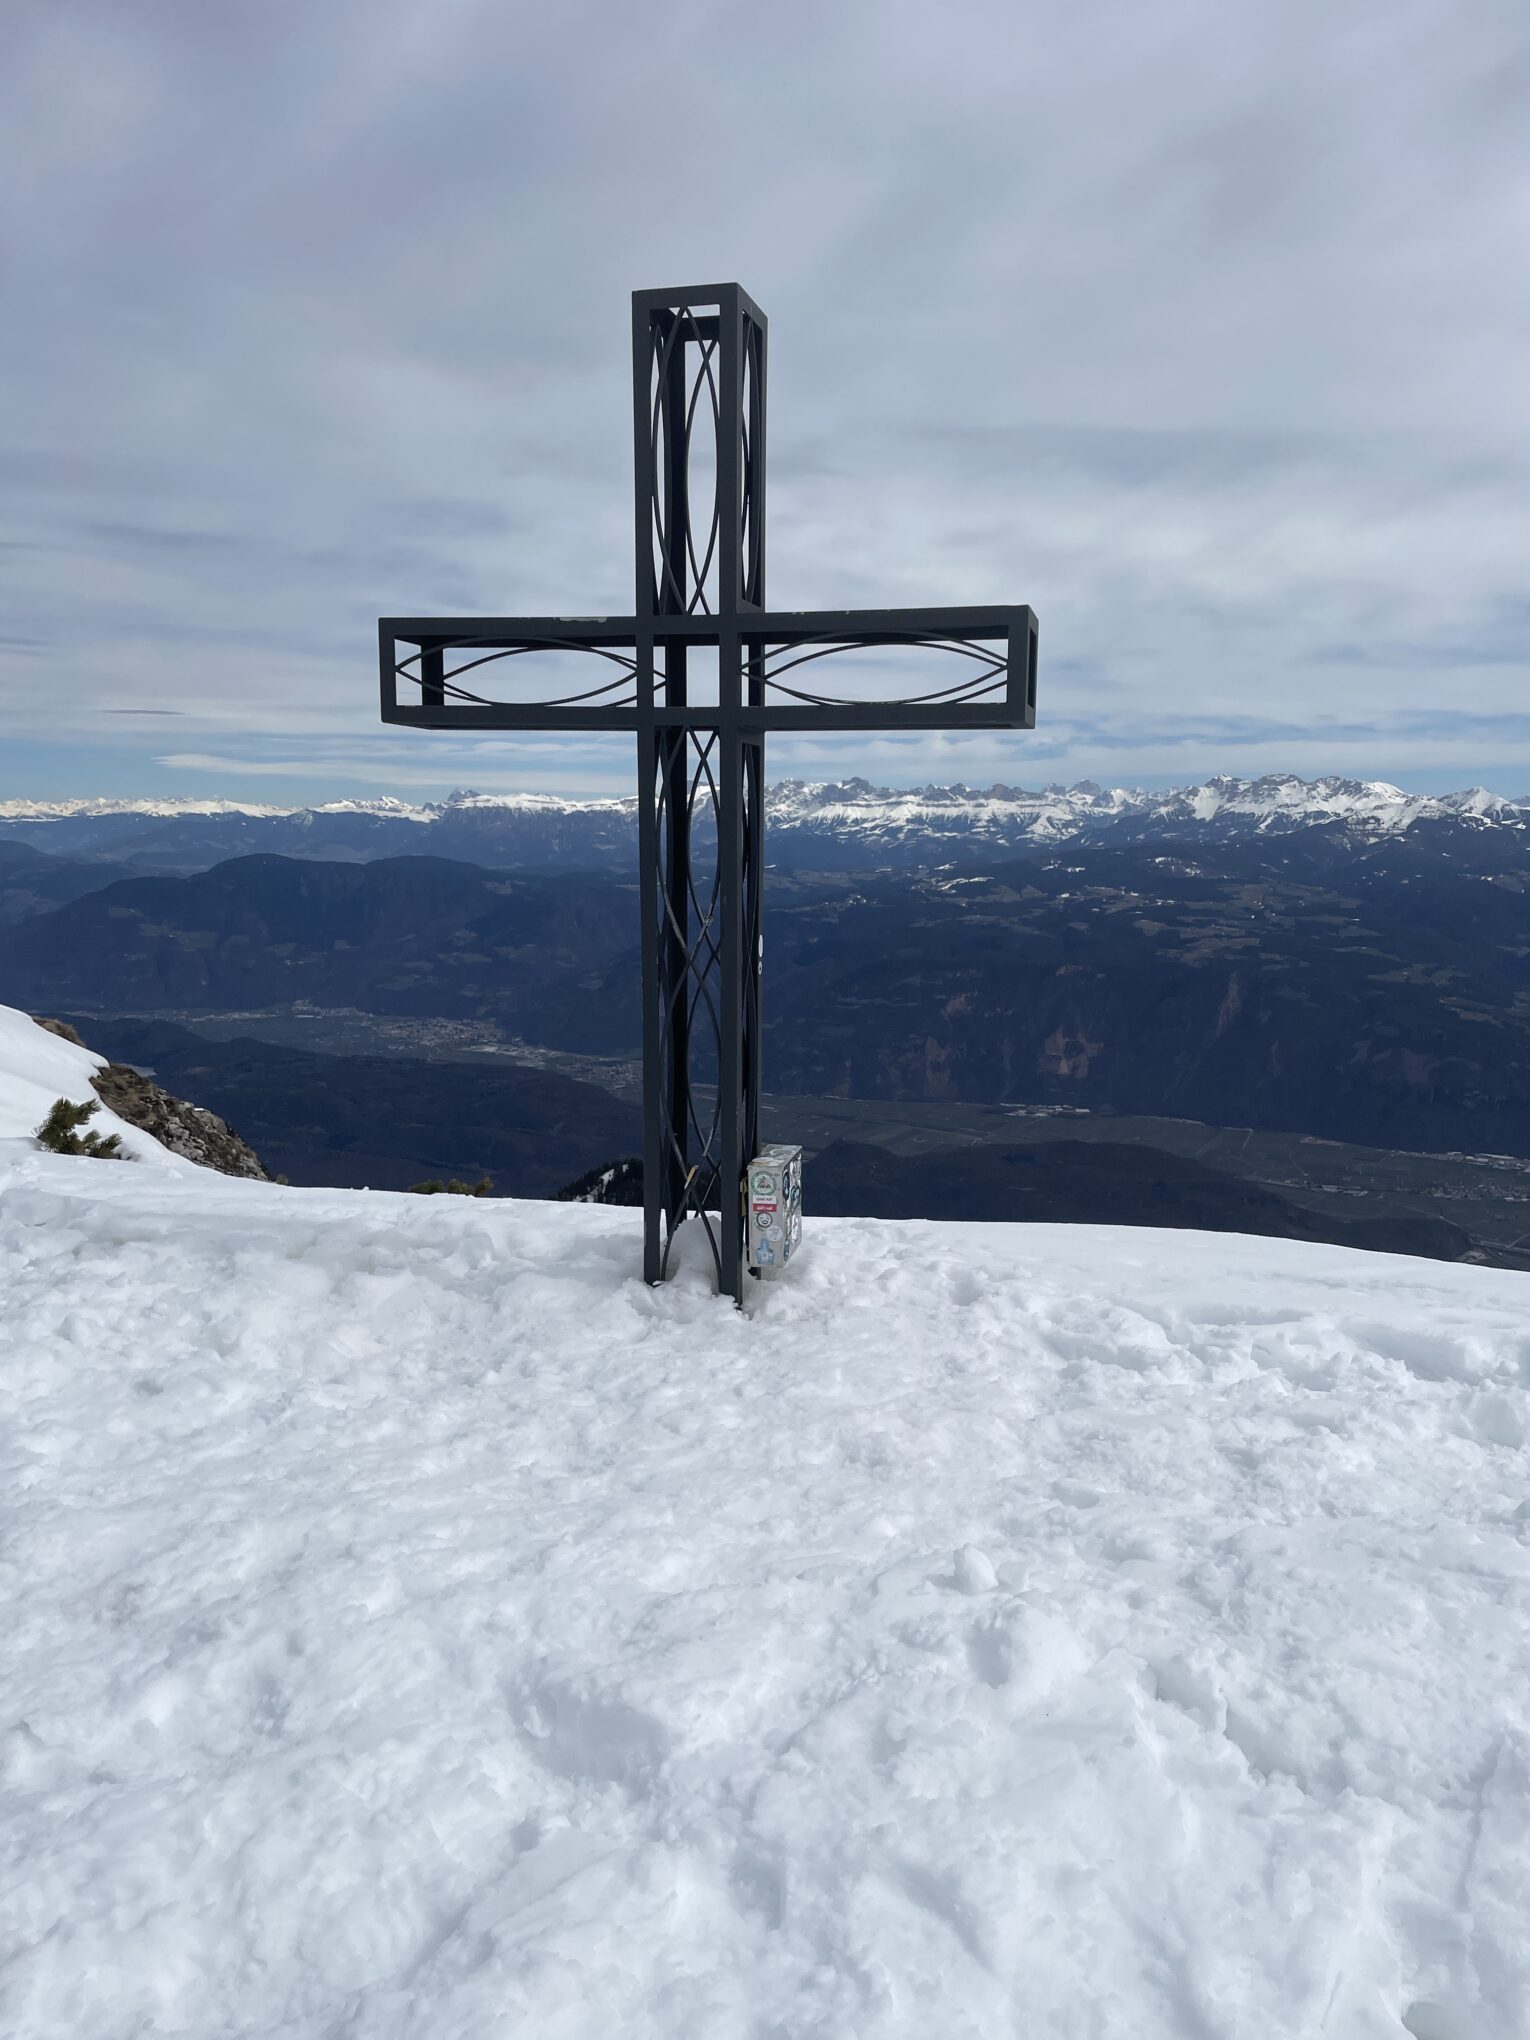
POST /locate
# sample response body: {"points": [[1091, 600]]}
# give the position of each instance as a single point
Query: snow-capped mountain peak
{"points": [[1276, 801], [840, 824]]}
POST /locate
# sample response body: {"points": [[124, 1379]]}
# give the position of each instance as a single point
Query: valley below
{"points": [[1265, 1007], [352, 1099]]}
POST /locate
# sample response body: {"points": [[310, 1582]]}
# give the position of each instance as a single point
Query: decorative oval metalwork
{"points": [[618, 692], [988, 681]]}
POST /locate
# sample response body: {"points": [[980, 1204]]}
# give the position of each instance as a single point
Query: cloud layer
{"points": [[1203, 329]]}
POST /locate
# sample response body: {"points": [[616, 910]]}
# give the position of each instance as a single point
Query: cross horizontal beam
{"points": [[783, 679]]}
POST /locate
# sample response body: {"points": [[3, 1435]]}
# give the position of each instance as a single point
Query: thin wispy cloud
{"points": [[1203, 329]]}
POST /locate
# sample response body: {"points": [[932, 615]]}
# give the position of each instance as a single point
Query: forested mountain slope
{"points": [[1378, 994]]}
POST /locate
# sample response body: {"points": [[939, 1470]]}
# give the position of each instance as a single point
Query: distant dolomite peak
{"points": [[832, 821]]}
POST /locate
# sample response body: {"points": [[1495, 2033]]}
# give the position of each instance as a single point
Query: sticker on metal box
{"points": [[774, 1201]]}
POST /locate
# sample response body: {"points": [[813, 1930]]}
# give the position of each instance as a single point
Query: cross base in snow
{"points": [[700, 672]]}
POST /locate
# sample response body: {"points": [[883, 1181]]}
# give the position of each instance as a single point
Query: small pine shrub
{"points": [[455, 1188], [60, 1132]]}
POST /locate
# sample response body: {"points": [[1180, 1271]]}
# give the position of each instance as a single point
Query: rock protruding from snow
{"points": [[39, 1065], [42, 1060], [189, 1130]]}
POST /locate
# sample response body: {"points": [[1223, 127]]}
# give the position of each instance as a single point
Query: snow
{"points": [[386, 806], [1007, 814], [418, 1627], [1060, 814], [165, 807], [533, 804], [36, 1068]]}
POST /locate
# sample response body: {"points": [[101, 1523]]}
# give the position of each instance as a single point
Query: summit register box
{"points": [[773, 1207]]}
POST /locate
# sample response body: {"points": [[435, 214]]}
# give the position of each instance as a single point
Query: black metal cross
{"points": [[701, 671]]}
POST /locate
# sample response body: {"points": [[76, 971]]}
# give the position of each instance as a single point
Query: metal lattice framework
{"points": [[701, 672]]}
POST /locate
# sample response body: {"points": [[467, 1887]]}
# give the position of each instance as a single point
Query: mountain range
{"points": [[848, 826], [1334, 960], [1375, 992]]}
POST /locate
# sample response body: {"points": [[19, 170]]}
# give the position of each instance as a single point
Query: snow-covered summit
{"points": [[1278, 801], [388, 807], [162, 806], [856, 806], [416, 1625], [463, 801]]}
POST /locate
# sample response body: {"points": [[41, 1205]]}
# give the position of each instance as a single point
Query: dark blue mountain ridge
{"points": [[1374, 991]]}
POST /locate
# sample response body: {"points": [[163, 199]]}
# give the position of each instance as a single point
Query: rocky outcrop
{"points": [[616, 1183], [191, 1131]]}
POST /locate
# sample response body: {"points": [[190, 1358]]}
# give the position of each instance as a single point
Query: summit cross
{"points": [[700, 672]]}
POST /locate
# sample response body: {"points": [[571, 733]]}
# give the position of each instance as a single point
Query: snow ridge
{"points": [[36, 1067], [1275, 802]]}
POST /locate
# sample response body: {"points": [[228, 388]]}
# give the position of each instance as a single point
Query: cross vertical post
{"points": [[699, 474], [699, 362]]}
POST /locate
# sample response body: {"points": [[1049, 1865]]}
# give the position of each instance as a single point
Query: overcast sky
{"points": [[1201, 325]]}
